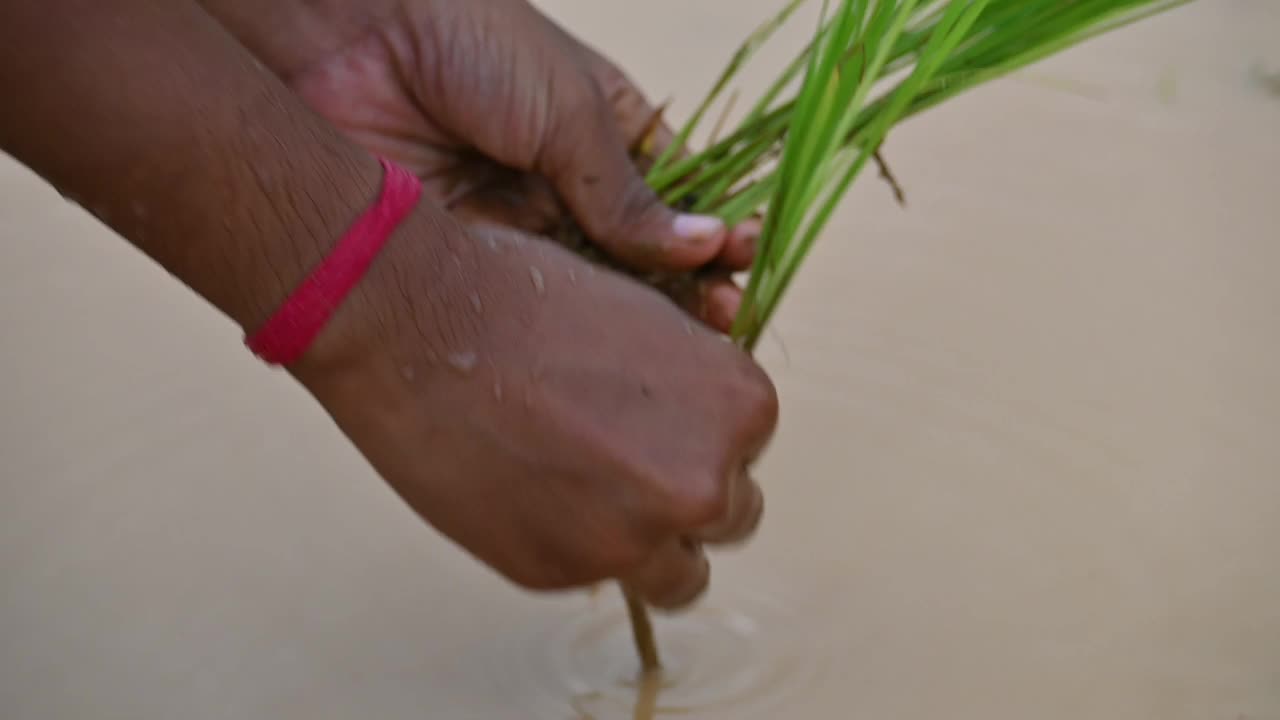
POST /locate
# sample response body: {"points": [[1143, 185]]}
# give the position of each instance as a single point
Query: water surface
{"points": [[1028, 464]]}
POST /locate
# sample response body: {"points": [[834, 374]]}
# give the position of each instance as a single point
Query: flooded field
{"points": [[1028, 466]]}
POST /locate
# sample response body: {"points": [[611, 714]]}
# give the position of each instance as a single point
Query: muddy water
{"points": [[1028, 466]]}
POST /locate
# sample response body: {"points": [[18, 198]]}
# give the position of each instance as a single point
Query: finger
{"points": [[746, 507], [647, 136], [586, 160], [721, 299], [674, 576], [641, 123], [648, 143], [713, 299], [740, 247]]}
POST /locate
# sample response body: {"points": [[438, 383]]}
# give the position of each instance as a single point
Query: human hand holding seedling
{"points": [[563, 423], [512, 122], [509, 119]]}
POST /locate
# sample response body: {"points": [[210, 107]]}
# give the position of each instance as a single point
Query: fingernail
{"points": [[700, 228]]}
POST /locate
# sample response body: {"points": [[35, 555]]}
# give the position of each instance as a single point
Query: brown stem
{"points": [[642, 632], [647, 692], [887, 175]]}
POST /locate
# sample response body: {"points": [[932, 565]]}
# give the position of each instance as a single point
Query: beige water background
{"points": [[1029, 466]]}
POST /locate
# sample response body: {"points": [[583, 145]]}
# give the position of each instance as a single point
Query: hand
{"points": [[509, 120], [562, 423]]}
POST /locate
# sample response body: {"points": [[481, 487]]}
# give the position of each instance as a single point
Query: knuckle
{"points": [[748, 520], [633, 204], [703, 502], [581, 105], [610, 77], [759, 397], [577, 112], [682, 589], [624, 98]]}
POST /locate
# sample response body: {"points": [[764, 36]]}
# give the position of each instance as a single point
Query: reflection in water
{"points": [[648, 691], [745, 662]]}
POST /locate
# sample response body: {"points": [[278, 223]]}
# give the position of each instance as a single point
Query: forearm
{"points": [[289, 35], [152, 116]]}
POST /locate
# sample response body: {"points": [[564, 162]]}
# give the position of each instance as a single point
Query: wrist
{"points": [[292, 329], [313, 202], [244, 225], [411, 287]]}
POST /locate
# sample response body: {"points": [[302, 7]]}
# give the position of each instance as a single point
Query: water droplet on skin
{"points": [[476, 304], [688, 328], [492, 242], [497, 390], [573, 276], [408, 373], [539, 283], [463, 362]]}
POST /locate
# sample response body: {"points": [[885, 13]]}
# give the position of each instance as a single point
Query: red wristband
{"points": [[288, 333]]}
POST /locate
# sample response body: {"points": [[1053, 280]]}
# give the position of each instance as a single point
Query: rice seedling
{"points": [[870, 65]]}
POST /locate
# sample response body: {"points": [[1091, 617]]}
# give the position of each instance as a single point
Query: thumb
{"points": [[586, 160]]}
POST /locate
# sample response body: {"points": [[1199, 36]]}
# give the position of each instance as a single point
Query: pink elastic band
{"points": [[290, 331]]}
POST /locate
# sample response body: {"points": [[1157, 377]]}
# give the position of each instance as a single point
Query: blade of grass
{"points": [[942, 43], [836, 122], [740, 58]]}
